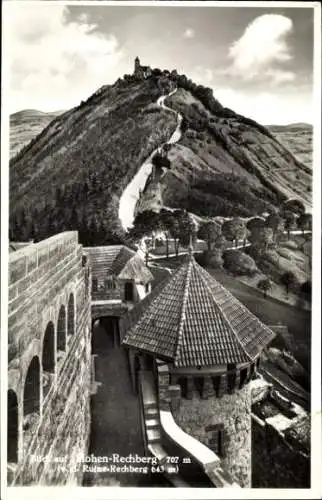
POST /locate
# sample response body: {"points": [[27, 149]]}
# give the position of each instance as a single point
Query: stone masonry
{"points": [[49, 342], [197, 416]]}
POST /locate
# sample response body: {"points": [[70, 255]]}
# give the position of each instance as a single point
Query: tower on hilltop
{"points": [[141, 72], [137, 65]]}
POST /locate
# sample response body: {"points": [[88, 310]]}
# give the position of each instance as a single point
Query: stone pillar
{"points": [[163, 384], [191, 388], [207, 388], [20, 429], [222, 388], [237, 380], [41, 397], [175, 396], [248, 374]]}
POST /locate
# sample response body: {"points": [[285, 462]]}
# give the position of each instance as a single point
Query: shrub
{"points": [[239, 263], [215, 258], [290, 244], [284, 252], [265, 285], [288, 279]]}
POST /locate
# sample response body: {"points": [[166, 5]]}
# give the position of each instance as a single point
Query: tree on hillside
{"points": [[209, 231], [294, 206], [220, 242], [188, 230], [167, 222], [255, 223], [234, 230], [304, 222], [145, 224], [161, 161], [265, 285], [276, 223], [288, 279], [289, 222], [239, 263], [261, 238]]}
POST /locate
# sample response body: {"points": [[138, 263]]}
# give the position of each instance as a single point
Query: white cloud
{"points": [[48, 52], [189, 33], [202, 75], [263, 49], [267, 108]]}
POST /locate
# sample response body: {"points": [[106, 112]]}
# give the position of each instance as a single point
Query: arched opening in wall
{"points": [[31, 393], [12, 444], [61, 330], [48, 349], [71, 315]]}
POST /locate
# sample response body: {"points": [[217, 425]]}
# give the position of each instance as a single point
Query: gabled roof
{"points": [[192, 320], [136, 270], [118, 261]]}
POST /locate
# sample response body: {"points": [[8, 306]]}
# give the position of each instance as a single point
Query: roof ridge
{"points": [[184, 304], [220, 309]]}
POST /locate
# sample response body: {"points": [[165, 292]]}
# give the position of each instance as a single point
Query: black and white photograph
{"points": [[161, 249]]}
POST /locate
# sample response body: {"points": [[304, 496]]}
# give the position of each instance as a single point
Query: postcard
{"points": [[161, 229]]}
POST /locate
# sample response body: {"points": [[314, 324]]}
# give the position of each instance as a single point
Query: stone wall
{"points": [[49, 342], [197, 416]]}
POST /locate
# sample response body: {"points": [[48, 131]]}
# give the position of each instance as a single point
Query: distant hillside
{"points": [[27, 124], [298, 137], [71, 176]]}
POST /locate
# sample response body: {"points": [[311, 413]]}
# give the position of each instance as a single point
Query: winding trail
{"points": [[131, 193]]}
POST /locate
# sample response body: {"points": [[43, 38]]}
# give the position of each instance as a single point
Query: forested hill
{"points": [[225, 163], [72, 174]]}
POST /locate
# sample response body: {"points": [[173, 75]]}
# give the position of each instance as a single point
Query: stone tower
{"points": [[211, 344], [137, 65]]}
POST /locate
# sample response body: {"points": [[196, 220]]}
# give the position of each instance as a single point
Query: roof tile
{"points": [[193, 320]]}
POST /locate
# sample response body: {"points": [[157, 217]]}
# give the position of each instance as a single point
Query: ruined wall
{"points": [[49, 343], [277, 463], [196, 416]]}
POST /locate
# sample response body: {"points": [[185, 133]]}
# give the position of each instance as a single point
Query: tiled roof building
{"points": [[204, 347], [192, 320]]}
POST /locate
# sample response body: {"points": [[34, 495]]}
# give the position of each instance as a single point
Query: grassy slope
{"points": [[109, 135], [27, 124], [232, 147], [297, 137]]}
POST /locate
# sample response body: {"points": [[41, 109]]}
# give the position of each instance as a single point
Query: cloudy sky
{"points": [[259, 61]]}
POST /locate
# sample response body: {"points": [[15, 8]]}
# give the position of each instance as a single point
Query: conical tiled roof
{"points": [[192, 320]]}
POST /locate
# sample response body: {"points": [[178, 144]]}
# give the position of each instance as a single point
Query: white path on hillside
{"points": [[131, 193]]}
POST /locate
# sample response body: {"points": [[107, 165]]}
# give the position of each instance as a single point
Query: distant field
{"points": [[298, 138], [27, 124]]}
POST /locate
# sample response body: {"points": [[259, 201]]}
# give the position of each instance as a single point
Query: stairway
{"points": [[150, 410]]}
